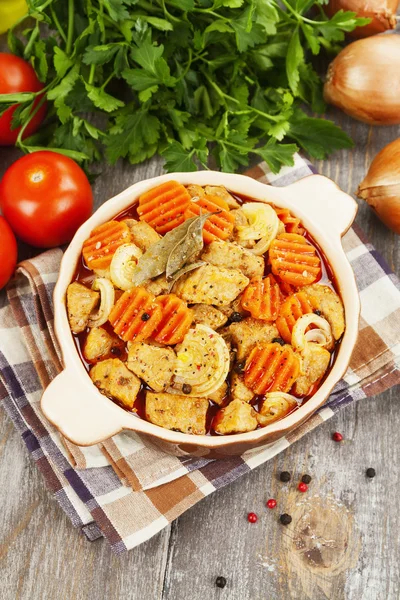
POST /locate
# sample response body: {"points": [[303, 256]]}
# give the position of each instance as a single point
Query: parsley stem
{"points": [[107, 81], [32, 113], [70, 26], [58, 24], [32, 39], [91, 74], [210, 12], [300, 17]]}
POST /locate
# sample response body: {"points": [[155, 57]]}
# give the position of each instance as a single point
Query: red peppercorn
{"points": [[337, 437], [252, 518], [271, 503], [302, 487]]}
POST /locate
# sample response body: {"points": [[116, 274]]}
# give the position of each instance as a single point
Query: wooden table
{"points": [[346, 545]]}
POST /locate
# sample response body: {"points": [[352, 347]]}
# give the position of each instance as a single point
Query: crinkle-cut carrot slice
{"points": [[271, 368], [292, 224], [136, 315], [291, 310], [217, 227], [176, 320], [262, 298], [104, 240], [294, 260], [163, 207], [286, 288]]}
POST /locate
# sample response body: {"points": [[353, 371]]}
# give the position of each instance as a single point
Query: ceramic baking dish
{"points": [[85, 416]]}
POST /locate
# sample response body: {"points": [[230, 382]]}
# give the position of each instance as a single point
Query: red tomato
{"points": [[16, 75], [8, 252], [45, 197]]}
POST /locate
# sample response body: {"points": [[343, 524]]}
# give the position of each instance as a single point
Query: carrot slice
{"points": [[217, 227], [163, 207], [104, 240], [262, 298], [294, 259], [293, 308], [286, 288], [175, 322], [136, 315], [292, 224], [271, 368]]}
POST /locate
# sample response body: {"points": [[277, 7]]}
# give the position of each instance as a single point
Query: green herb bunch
{"points": [[183, 78]]}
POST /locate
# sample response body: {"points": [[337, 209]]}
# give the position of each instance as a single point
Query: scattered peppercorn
{"points": [[306, 479], [236, 317], [337, 437], [186, 388], [252, 517], [370, 472], [302, 487], [271, 503], [220, 582], [239, 367], [284, 476], [279, 340], [145, 317], [317, 312], [116, 351], [285, 519]]}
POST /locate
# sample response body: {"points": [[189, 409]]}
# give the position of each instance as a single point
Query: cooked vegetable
{"points": [[220, 224], [202, 361], [363, 80], [8, 252], [382, 14], [107, 299], [262, 226], [292, 309], [302, 335], [381, 186], [262, 298], [294, 260], [98, 250], [275, 406], [292, 224], [123, 264], [230, 75], [176, 320], [135, 315], [271, 368], [163, 207]]}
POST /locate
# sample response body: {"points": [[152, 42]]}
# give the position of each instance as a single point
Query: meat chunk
{"points": [[81, 301], [153, 364], [275, 407], [181, 413], [237, 417], [219, 395], [315, 362], [142, 234], [113, 378], [233, 256], [330, 305], [210, 285], [208, 315], [157, 286], [99, 343], [250, 332], [239, 390]]}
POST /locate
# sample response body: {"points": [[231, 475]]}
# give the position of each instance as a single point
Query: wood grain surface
{"points": [[343, 542]]}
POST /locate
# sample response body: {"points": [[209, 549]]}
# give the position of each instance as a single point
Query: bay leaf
{"points": [[191, 243], [183, 271]]}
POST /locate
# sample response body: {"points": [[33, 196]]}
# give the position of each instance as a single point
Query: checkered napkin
{"points": [[125, 489]]}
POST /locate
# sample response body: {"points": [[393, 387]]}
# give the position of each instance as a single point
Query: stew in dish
{"points": [[205, 312]]}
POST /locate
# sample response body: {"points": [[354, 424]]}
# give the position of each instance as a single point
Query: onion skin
{"points": [[381, 187], [382, 13], [364, 80]]}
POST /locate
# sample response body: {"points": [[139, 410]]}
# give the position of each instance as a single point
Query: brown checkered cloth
{"points": [[125, 489]]}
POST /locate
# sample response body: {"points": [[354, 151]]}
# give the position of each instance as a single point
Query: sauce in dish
{"points": [[205, 312]]}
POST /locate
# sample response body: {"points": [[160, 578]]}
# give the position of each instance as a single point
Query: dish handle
{"points": [[333, 210], [70, 404]]}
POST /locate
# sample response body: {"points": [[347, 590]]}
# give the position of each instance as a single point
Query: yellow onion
{"points": [[321, 335], [381, 12], [107, 299], [381, 187], [364, 80], [275, 406]]}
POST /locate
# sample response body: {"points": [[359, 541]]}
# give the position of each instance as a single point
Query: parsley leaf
{"points": [[134, 134], [318, 137]]}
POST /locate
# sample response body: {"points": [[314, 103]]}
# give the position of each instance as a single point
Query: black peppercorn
{"points": [[220, 582], [239, 367], [236, 317], [370, 472], [306, 479], [145, 317], [317, 312], [186, 388], [279, 341], [116, 351], [285, 519], [284, 476]]}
